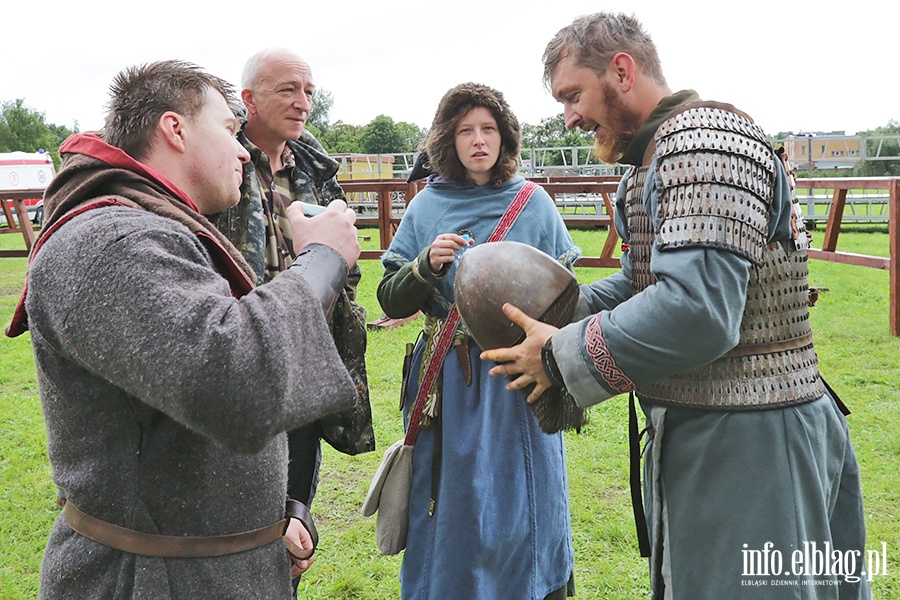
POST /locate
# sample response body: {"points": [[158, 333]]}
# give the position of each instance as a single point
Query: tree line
{"points": [[383, 136], [26, 129]]}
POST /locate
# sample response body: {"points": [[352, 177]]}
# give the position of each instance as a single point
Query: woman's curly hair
{"points": [[440, 144]]}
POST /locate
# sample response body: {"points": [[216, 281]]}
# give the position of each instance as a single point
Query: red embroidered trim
{"points": [[603, 360]]}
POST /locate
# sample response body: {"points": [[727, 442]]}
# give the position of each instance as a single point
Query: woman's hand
{"points": [[444, 248]]}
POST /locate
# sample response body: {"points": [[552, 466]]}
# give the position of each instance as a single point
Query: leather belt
{"points": [[177, 546], [770, 348]]}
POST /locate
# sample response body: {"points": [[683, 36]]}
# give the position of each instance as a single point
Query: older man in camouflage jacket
{"points": [[287, 164]]}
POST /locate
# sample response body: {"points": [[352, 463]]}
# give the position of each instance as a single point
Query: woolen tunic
{"points": [[165, 400], [501, 527]]}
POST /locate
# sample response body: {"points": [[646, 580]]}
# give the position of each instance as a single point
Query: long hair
{"points": [[440, 144], [140, 95], [593, 40]]}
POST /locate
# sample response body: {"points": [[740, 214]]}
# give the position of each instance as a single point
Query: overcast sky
{"points": [[792, 65]]}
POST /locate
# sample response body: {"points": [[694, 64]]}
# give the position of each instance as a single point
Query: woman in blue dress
{"points": [[489, 512]]}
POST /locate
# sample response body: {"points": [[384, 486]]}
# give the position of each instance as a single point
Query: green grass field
{"points": [[858, 356]]}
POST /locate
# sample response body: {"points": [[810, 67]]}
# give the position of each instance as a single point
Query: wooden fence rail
{"points": [[392, 196], [389, 217]]}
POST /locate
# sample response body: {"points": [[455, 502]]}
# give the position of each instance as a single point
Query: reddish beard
{"points": [[612, 141]]}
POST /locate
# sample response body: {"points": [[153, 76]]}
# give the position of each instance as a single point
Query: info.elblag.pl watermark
{"points": [[812, 564]]}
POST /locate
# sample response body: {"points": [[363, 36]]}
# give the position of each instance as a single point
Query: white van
{"points": [[27, 171]]}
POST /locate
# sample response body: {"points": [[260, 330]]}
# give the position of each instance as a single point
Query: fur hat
{"points": [[440, 144]]}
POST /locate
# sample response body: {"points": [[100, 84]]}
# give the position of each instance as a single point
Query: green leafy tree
{"points": [[889, 147], [411, 135], [381, 136], [340, 137], [552, 133], [26, 130], [322, 102], [61, 132]]}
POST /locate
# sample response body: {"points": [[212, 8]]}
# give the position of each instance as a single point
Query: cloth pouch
{"points": [[388, 495]]}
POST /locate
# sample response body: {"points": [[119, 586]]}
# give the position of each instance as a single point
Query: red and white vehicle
{"points": [[27, 171]]}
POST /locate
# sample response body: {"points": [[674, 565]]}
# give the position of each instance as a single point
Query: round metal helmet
{"points": [[492, 274]]}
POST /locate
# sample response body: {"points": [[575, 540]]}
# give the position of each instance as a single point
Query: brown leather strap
{"points": [[753, 349], [294, 509], [169, 546], [465, 361]]}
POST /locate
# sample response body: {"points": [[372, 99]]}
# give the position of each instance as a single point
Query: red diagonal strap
{"points": [[221, 259], [445, 339], [512, 213], [19, 323]]}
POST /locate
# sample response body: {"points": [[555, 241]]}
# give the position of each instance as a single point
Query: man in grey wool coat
{"points": [[167, 378]]}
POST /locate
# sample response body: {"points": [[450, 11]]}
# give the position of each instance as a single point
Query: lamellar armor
{"points": [[716, 174]]}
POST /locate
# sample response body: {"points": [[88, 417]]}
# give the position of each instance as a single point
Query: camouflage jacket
{"points": [[312, 180]]}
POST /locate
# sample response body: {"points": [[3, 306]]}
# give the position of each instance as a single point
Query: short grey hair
{"points": [[593, 40], [254, 65]]}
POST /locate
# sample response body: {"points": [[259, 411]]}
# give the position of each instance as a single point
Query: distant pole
{"points": [[893, 233], [809, 151]]}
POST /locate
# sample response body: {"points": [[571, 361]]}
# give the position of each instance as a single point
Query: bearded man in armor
{"points": [[747, 452]]}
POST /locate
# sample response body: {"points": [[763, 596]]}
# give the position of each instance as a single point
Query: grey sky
{"points": [[793, 66]]}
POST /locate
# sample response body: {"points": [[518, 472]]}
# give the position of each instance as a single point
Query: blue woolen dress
{"points": [[500, 527]]}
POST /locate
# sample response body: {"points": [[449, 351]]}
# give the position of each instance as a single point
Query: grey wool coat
{"points": [[166, 398]]}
